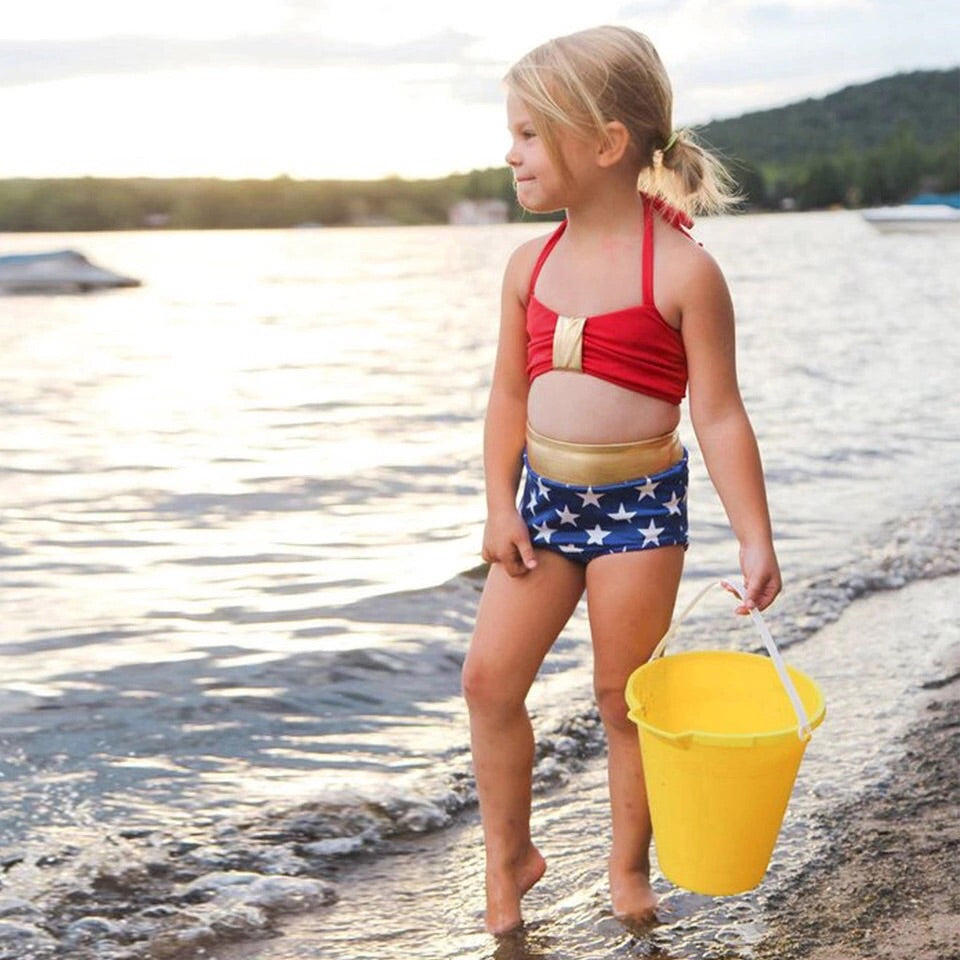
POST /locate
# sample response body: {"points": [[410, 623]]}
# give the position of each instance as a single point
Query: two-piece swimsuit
{"points": [[588, 500]]}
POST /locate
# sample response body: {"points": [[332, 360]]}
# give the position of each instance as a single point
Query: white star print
{"points": [[652, 533], [543, 531], [590, 499], [622, 514], [673, 504], [544, 492], [532, 505], [570, 548], [596, 535], [566, 515], [647, 489]]}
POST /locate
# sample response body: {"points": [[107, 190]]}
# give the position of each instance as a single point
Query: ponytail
{"points": [[688, 176]]}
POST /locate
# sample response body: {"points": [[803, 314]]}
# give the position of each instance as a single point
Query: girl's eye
{"points": [[529, 134]]}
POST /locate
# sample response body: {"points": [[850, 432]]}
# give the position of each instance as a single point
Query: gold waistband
{"points": [[601, 463]]}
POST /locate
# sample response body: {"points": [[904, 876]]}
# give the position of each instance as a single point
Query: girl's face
{"points": [[540, 185]]}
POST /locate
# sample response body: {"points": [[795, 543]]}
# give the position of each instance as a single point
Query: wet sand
{"points": [[889, 886]]}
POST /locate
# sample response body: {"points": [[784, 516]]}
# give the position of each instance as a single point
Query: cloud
{"points": [[645, 8], [27, 62]]}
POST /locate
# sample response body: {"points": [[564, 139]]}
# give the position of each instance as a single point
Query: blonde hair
{"points": [[583, 81]]}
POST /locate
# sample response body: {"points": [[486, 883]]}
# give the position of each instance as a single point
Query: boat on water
{"points": [[924, 213], [56, 271]]}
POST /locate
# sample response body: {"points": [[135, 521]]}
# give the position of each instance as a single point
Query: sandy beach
{"points": [[889, 887]]}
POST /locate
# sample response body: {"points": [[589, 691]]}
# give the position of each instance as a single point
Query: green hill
{"points": [[857, 118], [875, 142]]}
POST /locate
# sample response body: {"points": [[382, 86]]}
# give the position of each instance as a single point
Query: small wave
{"points": [[923, 546]]}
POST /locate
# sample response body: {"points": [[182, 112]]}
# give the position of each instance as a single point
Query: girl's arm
{"points": [[505, 537], [723, 428]]}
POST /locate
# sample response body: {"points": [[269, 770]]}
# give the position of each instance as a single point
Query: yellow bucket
{"points": [[722, 735]]}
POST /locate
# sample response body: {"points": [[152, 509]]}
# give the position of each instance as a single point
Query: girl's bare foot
{"points": [[633, 899], [507, 886]]}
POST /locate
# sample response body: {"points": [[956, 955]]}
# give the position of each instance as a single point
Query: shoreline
{"points": [[882, 887]]}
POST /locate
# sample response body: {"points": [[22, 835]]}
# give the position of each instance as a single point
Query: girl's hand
{"points": [[761, 577], [506, 541]]}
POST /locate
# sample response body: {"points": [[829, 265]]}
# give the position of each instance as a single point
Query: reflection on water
{"points": [[200, 478]]}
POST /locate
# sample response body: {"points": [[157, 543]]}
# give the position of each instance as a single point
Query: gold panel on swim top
{"points": [[568, 343]]}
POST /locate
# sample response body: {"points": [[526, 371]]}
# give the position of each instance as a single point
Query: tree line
{"points": [[206, 203], [867, 145], [888, 174]]}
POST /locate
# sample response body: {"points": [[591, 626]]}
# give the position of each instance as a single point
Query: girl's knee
{"points": [[612, 705], [486, 689], [472, 680]]}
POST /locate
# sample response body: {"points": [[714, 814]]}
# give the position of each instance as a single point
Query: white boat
{"points": [[913, 217], [58, 271]]}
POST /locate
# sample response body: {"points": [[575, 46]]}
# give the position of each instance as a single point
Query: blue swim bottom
{"points": [[587, 522]]}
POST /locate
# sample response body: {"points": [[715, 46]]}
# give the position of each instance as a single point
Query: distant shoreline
{"points": [[869, 145]]}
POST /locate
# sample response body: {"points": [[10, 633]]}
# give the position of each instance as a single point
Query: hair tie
{"points": [[661, 152]]}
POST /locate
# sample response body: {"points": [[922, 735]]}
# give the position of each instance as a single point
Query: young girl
{"points": [[605, 324]]}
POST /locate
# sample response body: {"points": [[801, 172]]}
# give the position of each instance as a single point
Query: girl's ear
{"points": [[614, 145]]}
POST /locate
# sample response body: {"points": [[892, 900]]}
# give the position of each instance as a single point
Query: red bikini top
{"points": [[634, 347]]}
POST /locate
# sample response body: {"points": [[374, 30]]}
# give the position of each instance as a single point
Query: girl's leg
{"points": [[630, 597], [517, 622]]}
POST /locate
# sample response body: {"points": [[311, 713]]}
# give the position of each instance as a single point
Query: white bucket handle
{"points": [[804, 730]]}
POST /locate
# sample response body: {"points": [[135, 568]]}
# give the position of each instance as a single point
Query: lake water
{"points": [[241, 518]]}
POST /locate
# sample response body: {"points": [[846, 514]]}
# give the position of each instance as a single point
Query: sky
{"points": [[363, 89]]}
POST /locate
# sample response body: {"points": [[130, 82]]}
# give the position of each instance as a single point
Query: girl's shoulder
{"points": [[523, 260], [688, 278], [530, 250], [685, 254]]}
